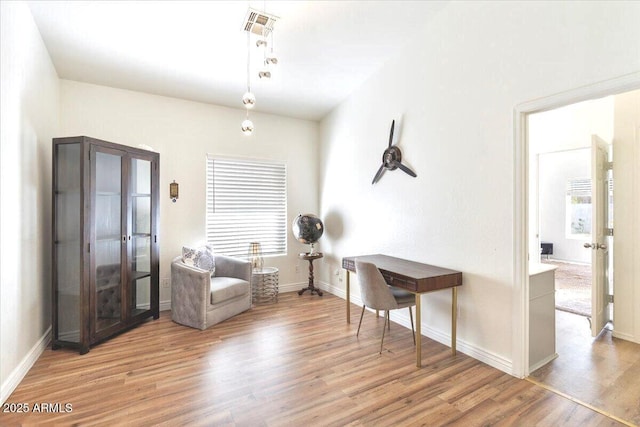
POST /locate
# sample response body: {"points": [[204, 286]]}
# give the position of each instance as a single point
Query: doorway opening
{"points": [[570, 224], [589, 364], [566, 243]]}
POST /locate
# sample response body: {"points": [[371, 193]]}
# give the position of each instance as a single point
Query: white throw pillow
{"points": [[201, 258]]}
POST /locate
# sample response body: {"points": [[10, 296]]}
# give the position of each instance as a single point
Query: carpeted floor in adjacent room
{"points": [[573, 287]]}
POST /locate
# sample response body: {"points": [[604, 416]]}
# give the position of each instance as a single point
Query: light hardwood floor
{"points": [[294, 363], [603, 372]]}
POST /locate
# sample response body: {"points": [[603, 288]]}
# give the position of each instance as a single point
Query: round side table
{"points": [[264, 285], [310, 257]]}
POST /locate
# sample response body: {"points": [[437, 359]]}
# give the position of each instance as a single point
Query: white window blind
{"points": [[246, 202], [579, 188]]}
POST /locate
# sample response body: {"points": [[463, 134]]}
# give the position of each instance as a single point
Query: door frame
{"points": [[520, 300]]}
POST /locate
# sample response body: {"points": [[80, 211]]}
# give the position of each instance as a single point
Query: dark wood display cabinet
{"points": [[105, 240]]}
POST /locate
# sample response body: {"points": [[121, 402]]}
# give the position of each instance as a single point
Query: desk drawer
{"points": [[399, 282]]}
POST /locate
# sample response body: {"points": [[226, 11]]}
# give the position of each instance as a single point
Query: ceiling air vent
{"points": [[260, 23]]}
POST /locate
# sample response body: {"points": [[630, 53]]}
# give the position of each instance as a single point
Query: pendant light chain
{"points": [[248, 62], [259, 23]]}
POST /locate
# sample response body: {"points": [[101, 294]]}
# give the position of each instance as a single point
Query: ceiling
{"points": [[197, 50]]}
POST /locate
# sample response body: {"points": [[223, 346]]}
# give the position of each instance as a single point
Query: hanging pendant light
{"points": [[247, 126], [259, 23], [248, 99], [270, 58]]}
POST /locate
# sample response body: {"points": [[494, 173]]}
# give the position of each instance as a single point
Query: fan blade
{"points": [[378, 175], [393, 123], [406, 169]]}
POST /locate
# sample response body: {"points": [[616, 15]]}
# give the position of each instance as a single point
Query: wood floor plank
{"points": [[601, 371], [287, 364]]}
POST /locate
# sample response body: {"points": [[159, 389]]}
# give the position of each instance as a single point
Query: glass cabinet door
{"points": [[109, 236], [140, 219], [68, 242]]}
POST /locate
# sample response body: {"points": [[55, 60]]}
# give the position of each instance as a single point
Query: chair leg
{"points": [[361, 314], [413, 331], [383, 328]]}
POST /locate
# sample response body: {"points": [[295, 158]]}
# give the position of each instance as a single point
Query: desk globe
{"points": [[308, 228]]}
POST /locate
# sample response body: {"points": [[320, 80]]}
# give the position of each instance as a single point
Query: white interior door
{"points": [[598, 246]]}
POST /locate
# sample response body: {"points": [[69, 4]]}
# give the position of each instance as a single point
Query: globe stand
{"points": [[310, 256]]}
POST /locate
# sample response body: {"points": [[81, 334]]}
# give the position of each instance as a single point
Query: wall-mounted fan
{"points": [[391, 159]]}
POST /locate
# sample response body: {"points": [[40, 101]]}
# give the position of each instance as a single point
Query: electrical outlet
{"points": [[164, 282]]}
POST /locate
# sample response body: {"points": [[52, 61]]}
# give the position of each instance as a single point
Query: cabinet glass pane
{"points": [[142, 254], [108, 232], [67, 241], [141, 176], [141, 195], [142, 215], [140, 295], [141, 235]]}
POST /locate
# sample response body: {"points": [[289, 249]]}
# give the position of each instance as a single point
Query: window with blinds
{"points": [[246, 202]]}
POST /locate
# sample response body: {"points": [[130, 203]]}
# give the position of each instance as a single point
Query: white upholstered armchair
{"points": [[200, 300]]}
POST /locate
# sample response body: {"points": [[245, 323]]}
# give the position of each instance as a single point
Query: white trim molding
{"points": [[520, 314], [24, 366], [400, 317]]}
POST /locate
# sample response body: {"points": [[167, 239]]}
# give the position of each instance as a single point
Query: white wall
{"points": [[456, 87], [626, 216], [571, 127], [29, 116], [183, 132]]}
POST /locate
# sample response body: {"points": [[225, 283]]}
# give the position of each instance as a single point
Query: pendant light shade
{"points": [[247, 127], [249, 100]]}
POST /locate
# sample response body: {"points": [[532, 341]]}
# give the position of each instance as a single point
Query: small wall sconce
{"points": [[173, 191]]}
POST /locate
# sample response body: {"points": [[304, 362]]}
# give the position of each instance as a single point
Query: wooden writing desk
{"points": [[416, 278]]}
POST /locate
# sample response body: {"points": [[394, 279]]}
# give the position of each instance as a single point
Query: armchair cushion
{"points": [[224, 288]]}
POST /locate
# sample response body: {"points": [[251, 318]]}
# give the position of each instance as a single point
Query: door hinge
{"points": [[89, 247], [608, 231], [608, 166], [609, 299]]}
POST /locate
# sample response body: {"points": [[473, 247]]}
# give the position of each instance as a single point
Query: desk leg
{"points": [[348, 298], [454, 316], [418, 332]]}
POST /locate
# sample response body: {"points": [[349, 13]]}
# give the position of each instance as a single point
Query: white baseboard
{"points": [[32, 356], [295, 287], [543, 362], [23, 367], [484, 356], [624, 336]]}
